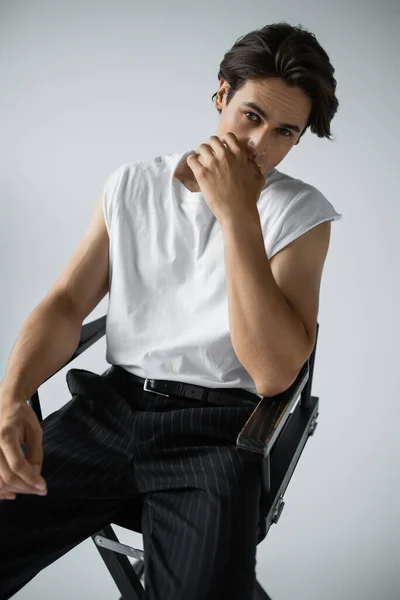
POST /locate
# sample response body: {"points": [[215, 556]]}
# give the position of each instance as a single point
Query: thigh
{"points": [[87, 467], [87, 444], [200, 540]]}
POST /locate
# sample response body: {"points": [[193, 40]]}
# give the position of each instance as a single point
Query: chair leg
{"points": [[121, 570], [260, 593], [127, 576], [139, 568]]}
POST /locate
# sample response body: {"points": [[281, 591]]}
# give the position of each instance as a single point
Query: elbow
{"points": [[271, 390], [278, 385], [283, 376]]}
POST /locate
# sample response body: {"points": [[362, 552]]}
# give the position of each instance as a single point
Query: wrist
{"points": [[10, 394], [240, 219]]}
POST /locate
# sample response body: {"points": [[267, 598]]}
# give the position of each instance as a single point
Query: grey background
{"points": [[88, 86]]}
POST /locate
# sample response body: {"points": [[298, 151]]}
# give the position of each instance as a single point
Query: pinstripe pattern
{"points": [[112, 442]]}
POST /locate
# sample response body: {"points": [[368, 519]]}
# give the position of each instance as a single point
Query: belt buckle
{"points": [[146, 389]]}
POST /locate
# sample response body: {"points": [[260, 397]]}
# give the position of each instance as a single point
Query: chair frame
{"points": [[278, 428]]}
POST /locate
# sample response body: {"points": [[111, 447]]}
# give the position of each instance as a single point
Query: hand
{"points": [[19, 425], [227, 175]]}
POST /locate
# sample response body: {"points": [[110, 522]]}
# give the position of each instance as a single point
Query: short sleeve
{"points": [[307, 209]]}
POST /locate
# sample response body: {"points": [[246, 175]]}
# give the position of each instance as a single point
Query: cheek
{"points": [[280, 149], [235, 122], [273, 155]]}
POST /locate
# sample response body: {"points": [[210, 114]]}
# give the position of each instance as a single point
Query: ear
{"points": [[222, 90]]}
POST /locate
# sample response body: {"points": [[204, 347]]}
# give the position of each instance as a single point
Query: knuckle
{"points": [[16, 464], [8, 481], [5, 434], [16, 485]]}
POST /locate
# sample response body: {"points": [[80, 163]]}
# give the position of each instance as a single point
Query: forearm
{"points": [[46, 341], [267, 335]]}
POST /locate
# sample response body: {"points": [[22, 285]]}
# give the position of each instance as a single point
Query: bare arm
{"points": [[46, 341], [51, 333]]}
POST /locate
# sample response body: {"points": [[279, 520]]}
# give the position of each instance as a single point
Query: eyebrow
{"points": [[265, 116]]}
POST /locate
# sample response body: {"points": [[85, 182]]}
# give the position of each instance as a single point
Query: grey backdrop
{"points": [[87, 86]]}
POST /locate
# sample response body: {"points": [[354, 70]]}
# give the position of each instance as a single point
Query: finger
{"points": [[230, 141], [11, 483], [19, 468], [193, 162], [8, 496], [5, 475], [251, 153], [34, 447], [218, 145], [5, 494], [5, 490], [205, 154]]}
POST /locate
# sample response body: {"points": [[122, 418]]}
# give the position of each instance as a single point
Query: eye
{"points": [[254, 115], [287, 133], [290, 133]]}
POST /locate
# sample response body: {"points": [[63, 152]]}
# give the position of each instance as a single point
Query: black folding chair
{"points": [[278, 428]]}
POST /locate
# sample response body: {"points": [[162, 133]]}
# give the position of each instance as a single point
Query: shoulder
{"points": [[287, 187], [146, 170], [283, 194]]}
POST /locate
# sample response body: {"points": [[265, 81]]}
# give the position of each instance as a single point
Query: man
{"points": [[213, 261]]}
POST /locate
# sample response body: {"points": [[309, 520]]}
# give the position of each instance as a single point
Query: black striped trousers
{"points": [[113, 442]]}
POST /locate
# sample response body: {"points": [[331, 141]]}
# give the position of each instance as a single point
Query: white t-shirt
{"points": [[167, 316]]}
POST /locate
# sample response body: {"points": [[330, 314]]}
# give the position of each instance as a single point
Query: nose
{"points": [[260, 140], [258, 148]]}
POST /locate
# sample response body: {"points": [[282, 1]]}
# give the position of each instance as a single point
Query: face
{"points": [[269, 135]]}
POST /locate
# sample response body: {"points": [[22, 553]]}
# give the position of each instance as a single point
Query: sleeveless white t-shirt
{"points": [[167, 315]]}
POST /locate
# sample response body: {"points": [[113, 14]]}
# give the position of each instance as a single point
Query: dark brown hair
{"points": [[294, 55]]}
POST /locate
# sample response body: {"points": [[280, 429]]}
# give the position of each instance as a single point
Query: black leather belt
{"points": [[228, 396]]}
